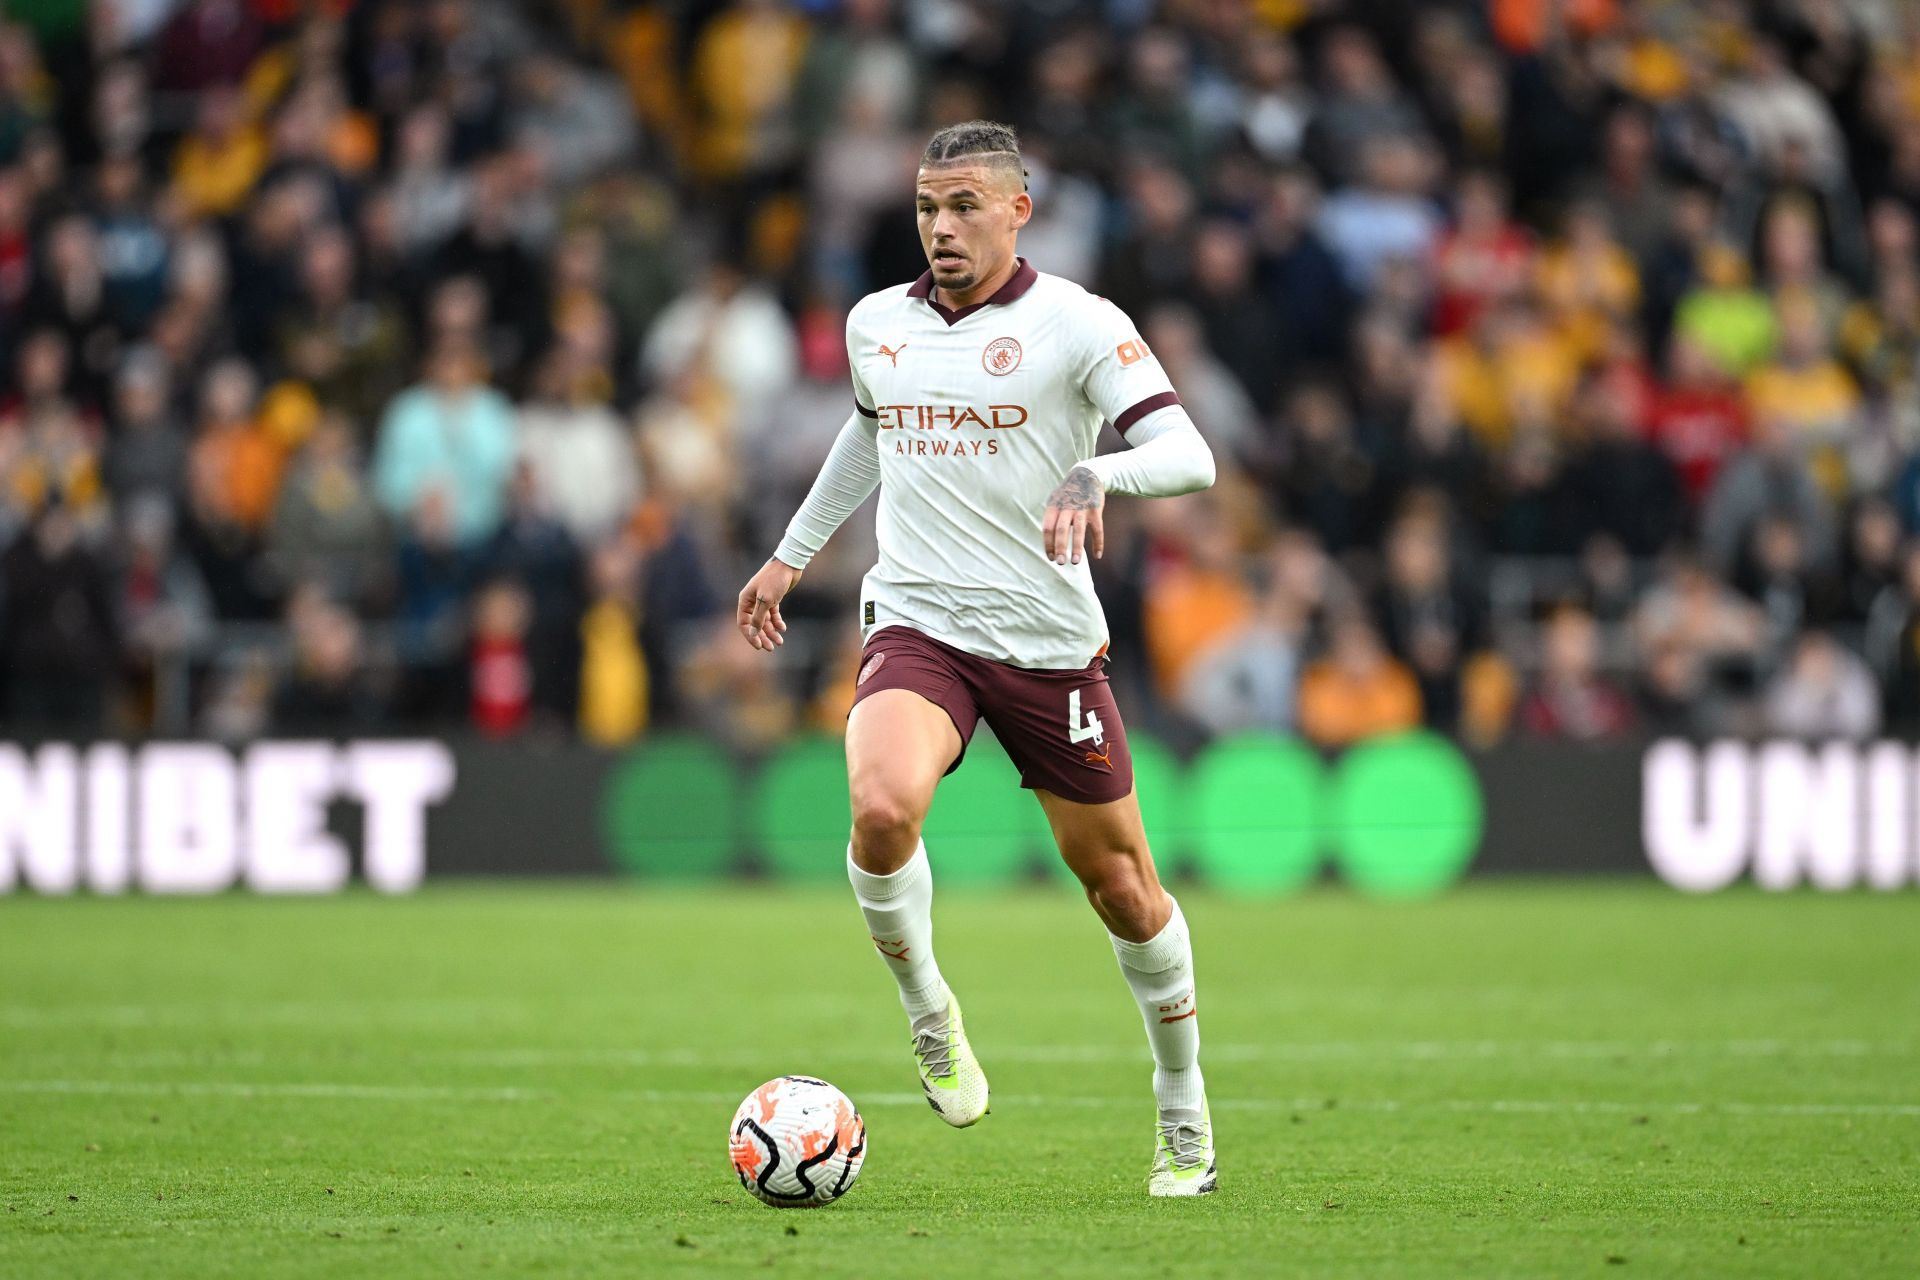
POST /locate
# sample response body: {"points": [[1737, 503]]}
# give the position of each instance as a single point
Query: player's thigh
{"points": [[901, 736], [900, 744]]}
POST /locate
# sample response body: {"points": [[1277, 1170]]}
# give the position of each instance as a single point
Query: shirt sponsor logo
{"points": [[944, 447], [1001, 357], [928, 417], [931, 417]]}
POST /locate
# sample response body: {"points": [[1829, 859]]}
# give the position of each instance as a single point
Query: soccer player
{"points": [[978, 392]]}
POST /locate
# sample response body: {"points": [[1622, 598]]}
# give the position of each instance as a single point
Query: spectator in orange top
{"points": [[1588, 280], [614, 696], [1357, 690], [1810, 394], [1524, 26], [233, 455], [742, 82], [1196, 598], [1510, 371], [217, 164]]}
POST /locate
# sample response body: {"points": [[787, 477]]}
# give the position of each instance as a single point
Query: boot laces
{"points": [[934, 1047], [1184, 1142]]}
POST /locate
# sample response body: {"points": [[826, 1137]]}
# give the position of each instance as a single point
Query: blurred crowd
{"points": [[449, 363]]}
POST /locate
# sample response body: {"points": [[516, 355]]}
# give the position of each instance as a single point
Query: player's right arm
{"points": [[848, 478]]}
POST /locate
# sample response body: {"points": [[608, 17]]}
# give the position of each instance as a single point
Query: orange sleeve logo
{"points": [[1132, 351]]}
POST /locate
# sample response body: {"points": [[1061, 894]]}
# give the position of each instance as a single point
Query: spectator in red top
{"points": [[500, 676], [1483, 257], [16, 245], [1571, 699], [1698, 418], [1621, 370]]}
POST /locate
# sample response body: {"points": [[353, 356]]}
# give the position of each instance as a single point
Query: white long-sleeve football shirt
{"points": [[967, 420]]}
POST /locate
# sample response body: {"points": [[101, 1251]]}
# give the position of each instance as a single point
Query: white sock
{"points": [[899, 912], [1160, 971]]}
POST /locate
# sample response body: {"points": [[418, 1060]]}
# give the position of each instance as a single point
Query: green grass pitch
{"points": [[1535, 1079]]}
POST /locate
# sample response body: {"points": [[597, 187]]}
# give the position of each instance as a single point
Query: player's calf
{"points": [[898, 908], [1159, 972], [1106, 845]]}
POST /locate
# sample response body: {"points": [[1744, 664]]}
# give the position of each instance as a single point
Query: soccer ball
{"points": [[797, 1142]]}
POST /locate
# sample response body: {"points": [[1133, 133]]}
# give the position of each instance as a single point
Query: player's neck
{"points": [[982, 290]]}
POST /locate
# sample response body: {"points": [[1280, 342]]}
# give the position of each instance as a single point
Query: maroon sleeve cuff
{"points": [[1165, 399], [864, 411]]}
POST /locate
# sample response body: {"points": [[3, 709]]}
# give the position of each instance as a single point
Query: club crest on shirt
{"points": [[873, 665], [1001, 357]]}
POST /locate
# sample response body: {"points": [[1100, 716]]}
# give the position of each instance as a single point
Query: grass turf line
{"points": [[1517, 1079]]}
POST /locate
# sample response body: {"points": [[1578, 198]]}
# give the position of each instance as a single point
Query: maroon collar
{"points": [[1016, 285]]}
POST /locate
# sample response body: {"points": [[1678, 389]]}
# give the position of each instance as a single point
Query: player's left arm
{"points": [[1167, 456]]}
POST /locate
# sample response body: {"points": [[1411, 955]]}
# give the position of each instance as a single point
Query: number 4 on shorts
{"points": [[1091, 731]]}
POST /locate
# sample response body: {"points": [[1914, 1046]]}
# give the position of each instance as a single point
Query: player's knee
{"points": [[886, 826], [1125, 895]]}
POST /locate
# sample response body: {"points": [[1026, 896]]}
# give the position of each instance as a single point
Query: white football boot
{"points": [[1183, 1163], [956, 1087]]}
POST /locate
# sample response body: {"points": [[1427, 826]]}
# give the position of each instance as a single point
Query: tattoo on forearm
{"points": [[1080, 491]]}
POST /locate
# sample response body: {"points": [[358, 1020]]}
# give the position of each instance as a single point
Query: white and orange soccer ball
{"points": [[797, 1142]]}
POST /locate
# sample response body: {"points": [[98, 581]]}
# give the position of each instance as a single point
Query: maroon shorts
{"points": [[1061, 729]]}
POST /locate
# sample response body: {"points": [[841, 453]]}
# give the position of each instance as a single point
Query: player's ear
{"points": [[1022, 210]]}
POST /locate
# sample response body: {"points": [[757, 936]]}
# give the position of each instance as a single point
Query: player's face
{"points": [[969, 216]]}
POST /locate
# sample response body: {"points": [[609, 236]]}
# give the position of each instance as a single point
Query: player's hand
{"points": [[1072, 523], [760, 620]]}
